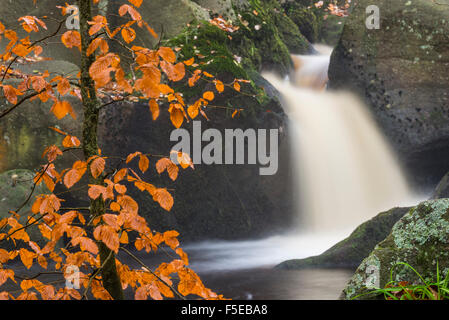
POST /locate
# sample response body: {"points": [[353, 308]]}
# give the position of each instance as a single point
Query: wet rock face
{"points": [[402, 71], [419, 239]]}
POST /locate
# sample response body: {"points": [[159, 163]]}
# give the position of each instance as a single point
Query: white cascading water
{"points": [[346, 172]]}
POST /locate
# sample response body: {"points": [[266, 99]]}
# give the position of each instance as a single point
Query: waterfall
{"points": [[346, 171]]}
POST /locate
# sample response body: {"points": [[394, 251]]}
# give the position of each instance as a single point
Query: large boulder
{"points": [[402, 72], [419, 239], [350, 252]]}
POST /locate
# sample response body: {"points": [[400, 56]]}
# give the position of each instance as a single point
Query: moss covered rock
{"points": [[402, 72], [420, 239], [350, 252], [15, 187], [316, 24], [306, 21], [223, 8]]}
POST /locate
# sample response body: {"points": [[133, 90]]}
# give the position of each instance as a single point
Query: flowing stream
{"points": [[346, 173]]}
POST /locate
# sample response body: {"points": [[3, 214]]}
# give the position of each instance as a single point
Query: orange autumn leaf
{"points": [[132, 12], [75, 174], [70, 141], [86, 244], [193, 111], [184, 160], [97, 23], [189, 62], [124, 238], [128, 34], [97, 43], [120, 188], [166, 164], [5, 274], [219, 85], [114, 206], [183, 256], [170, 238], [136, 3], [11, 93], [174, 72], [62, 108], [208, 95], [167, 54], [154, 108], [27, 257], [95, 191], [127, 203], [164, 198], [63, 86], [144, 163], [111, 220], [120, 175], [71, 39], [108, 236], [97, 166], [52, 152], [176, 114], [131, 156]]}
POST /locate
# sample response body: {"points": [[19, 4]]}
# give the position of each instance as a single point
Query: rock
{"points": [[420, 239], [15, 187], [211, 201], [402, 72], [221, 7], [316, 24], [167, 17], [305, 19], [290, 34], [265, 37], [442, 190], [350, 252]]}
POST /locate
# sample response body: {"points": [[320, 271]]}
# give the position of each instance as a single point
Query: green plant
{"points": [[404, 290]]}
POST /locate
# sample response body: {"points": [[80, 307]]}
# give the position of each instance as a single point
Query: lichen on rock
{"points": [[419, 239]]}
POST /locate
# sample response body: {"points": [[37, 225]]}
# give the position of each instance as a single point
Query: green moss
{"points": [[268, 49], [306, 21], [316, 24], [205, 39], [212, 49]]}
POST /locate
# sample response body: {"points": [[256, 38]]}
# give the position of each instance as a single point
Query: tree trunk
{"points": [[111, 279]]}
